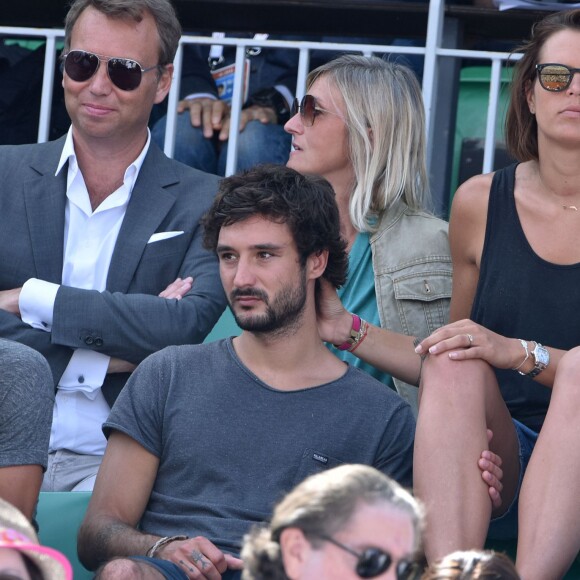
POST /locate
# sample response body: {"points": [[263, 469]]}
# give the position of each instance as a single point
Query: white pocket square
{"points": [[163, 236]]}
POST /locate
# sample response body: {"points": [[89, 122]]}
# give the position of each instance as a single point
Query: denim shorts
{"points": [[505, 527], [168, 569]]}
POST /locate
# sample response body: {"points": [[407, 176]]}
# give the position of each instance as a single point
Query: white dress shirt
{"points": [[89, 240]]}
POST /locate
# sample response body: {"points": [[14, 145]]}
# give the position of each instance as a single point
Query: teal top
{"points": [[358, 296]]}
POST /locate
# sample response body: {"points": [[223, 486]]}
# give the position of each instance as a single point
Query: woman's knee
{"points": [[446, 381]]}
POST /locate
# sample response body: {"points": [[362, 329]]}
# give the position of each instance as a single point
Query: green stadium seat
{"points": [[471, 123], [59, 516]]}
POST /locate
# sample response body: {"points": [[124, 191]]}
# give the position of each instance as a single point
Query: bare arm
{"points": [[467, 226], [120, 496], [388, 351]]}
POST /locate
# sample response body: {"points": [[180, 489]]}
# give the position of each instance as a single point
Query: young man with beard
{"points": [[205, 439]]}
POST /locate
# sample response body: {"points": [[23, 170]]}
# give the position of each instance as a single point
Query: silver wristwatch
{"points": [[541, 360]]}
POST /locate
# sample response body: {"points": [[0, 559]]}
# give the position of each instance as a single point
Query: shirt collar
{"points": [[68, 154]]}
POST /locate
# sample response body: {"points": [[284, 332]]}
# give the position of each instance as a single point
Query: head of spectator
{"points": [[362, 126], [521, 123], [274, 194], [168, 27], [472, 565], [117, 65], [21, 555], [348, 522]]}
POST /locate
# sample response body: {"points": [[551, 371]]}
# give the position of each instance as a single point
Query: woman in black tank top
{"points": [[507, 364], [516, 257]]}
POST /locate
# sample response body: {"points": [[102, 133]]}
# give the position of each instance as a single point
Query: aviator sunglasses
{"points": [[555, 77], [124, 73], [374, 562], [309, 110]]}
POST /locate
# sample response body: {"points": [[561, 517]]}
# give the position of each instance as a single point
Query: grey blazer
{"points": [[128, 320]]}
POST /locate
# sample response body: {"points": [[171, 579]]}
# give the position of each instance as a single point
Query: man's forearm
{"points": [[106, 538]]}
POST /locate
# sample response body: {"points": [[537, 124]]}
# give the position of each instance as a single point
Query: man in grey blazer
{"points": [[101, 259]]}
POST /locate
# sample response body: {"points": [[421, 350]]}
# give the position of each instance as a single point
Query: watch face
{"points": [[541, 355]]}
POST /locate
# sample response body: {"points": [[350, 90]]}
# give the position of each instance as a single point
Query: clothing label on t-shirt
{"points": [[319, 457], [224, 80]]}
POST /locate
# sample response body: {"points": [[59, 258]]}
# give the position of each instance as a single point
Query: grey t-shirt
{"points": [[230, 446], [26, 402]]}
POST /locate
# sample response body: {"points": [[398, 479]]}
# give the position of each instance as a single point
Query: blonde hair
{"points": [[385, 118], [320, 506]]}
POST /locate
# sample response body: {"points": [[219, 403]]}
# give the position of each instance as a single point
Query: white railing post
{"points": [[432, 44], [236, 107], [172, 100], [47, 89], [494, 88]]}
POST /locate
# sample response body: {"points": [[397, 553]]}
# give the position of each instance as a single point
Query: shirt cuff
{"points": [[86, 371], [36, 303]]}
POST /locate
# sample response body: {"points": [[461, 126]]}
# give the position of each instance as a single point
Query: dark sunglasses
{"points": [[374, 562], [309, 110], [124, 73], [555, 77]]}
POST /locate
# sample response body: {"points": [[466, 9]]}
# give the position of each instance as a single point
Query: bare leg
{"points": [[459, 401], [20, 485], [121, 569], [549, 525]]}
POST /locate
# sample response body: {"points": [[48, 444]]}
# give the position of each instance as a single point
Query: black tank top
{"points": [[520, 295]]}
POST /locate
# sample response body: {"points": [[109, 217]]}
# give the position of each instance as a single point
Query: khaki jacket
{"points": [[413, 270]]}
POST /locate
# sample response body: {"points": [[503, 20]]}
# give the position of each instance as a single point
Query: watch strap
{"points": [[541, 360]]}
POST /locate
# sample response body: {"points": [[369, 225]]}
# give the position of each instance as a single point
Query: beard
{"points": [[283, 314]]}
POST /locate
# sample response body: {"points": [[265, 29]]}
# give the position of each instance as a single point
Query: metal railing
{"points": [[433, 52]]}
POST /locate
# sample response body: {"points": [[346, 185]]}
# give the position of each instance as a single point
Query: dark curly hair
{"points": [[521, 129], [306, 203]]}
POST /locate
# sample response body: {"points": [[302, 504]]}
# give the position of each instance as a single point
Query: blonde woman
{"points": [[361, 125]]}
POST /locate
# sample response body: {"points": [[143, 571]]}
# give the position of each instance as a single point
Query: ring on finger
{"points": [[470, 338]]}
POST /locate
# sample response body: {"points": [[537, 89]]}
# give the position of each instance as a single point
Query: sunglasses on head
{"points": [[555, 77], [374, 562], [124, 73], [309, 110]]}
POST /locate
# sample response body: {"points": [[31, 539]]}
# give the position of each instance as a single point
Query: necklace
{"points": [[564, 207]]}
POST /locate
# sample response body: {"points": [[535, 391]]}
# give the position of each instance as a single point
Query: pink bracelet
{"points": [[357, 334], [363, 334]]}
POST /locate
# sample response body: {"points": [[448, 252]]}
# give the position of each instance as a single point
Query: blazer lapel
{"points": [[149, 204], [45, 200]]}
